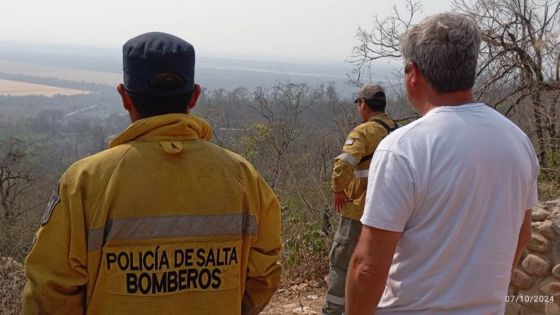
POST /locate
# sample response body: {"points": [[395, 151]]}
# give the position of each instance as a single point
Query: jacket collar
{"points": [[378, 116], [165, 127]]}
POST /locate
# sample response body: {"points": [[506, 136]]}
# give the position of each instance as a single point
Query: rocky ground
{"points": [[303, 298]]}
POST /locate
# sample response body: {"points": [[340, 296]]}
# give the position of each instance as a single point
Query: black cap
{"points": [[151, 54]]}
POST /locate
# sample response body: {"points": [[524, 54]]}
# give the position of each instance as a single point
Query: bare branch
{"points": [[381, 42]]}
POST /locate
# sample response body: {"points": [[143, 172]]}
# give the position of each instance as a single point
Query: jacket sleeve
{"points": [[263, 270], [353, 151], [56, 264]]}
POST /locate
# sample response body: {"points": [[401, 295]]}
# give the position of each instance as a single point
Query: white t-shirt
{"points": [[457, 183]]}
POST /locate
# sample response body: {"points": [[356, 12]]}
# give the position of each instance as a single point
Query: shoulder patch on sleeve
{"points": [[53, 201], [349, 141]]}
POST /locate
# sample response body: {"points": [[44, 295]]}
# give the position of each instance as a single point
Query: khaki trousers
{"points": [[344, 243]]}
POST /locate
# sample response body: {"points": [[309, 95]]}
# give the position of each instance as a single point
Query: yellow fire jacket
{"points": [[350, 169], [163, 222]]}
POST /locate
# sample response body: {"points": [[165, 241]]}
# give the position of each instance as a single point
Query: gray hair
{"points": [[445, 49]]}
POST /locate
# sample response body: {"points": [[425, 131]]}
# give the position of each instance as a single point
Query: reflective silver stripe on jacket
{"points": [[361, 173], [348, 158], [141, 228], [95, 239]]}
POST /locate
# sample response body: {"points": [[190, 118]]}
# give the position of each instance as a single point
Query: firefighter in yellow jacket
{"points": [[349, 183], [164, 221]]}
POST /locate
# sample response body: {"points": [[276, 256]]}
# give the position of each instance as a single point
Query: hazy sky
{"points": [[321, 30]]}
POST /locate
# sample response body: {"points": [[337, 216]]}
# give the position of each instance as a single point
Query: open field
{"points": [[69, 74], [17, 88]]}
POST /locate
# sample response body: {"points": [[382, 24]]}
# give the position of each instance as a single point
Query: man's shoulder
{"points": [[101, 159], [505, 122], [378, 124], [400, 136], [383, 119], [99, 163], [231, 159]]}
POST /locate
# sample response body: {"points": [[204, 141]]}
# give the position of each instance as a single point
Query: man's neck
{"points": [[446, 99]]}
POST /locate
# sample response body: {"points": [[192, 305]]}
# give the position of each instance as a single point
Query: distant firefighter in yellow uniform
{"points": [[164, 221], [349, 183]]}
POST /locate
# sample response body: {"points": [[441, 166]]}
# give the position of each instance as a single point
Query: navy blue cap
{"points": [[150, 54]]}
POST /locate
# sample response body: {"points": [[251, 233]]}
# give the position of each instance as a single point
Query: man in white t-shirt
{"points": [[448, 201]]}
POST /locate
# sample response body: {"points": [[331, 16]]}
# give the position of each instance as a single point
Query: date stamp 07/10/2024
{"points": [[529, 298]]}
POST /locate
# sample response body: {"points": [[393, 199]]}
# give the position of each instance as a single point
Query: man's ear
{"points": [[194, 97], [127, 102], [413, 77], [414, 74]]}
